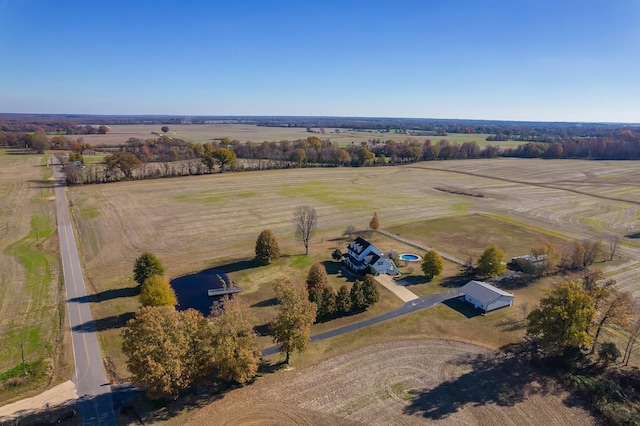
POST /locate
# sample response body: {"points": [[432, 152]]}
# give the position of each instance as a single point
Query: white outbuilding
{"points": [[486, 297]]}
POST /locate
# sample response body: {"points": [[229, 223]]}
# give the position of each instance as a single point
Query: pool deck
{"points": [[402, 292]]}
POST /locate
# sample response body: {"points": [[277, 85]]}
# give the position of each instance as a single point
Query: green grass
{"points": [[199, 199], [19, 370], [461, 207], [93, 159], [37, 302], [468, 235]]}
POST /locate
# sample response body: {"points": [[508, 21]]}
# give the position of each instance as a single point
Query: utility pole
{"points": [[24, 367]]}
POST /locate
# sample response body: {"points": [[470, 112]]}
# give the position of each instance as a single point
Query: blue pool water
{"points": [[409, 257]]}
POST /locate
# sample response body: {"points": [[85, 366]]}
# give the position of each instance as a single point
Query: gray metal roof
{"points": [[483, 292]]}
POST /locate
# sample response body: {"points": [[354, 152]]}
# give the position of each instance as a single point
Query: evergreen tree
{"points": [[145, 266], [356, 294], [343, 301], [370, 291]]}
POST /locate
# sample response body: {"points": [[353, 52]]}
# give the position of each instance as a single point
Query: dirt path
{"points": [[64, 393], [405, 382]]}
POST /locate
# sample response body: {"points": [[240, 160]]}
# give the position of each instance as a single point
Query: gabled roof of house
{"points": [[483, 292], [359, 245], [354, 261]]}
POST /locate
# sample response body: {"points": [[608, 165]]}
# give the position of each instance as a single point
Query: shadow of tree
{"points": [[265, 303], [240, 265], [504, 380], [262, 330], [106, 323], [41, 183], [416, 280], [331, 266], [515, 283], [108, 295], [455, 281]]}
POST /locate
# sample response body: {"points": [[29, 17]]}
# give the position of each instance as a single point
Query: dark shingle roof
{"points": [[359, 245]]}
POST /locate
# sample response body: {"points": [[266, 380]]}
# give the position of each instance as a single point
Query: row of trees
{"points": [[331, 304]]}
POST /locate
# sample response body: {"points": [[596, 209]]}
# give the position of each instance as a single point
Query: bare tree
{"points": [[305, 219], [633, 335], [614, 241]]}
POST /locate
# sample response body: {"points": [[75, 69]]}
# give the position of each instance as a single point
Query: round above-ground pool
{"points": [[410, 257]]}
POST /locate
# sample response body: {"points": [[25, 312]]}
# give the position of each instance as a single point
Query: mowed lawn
{"points": [[30, 289], [195, 223], [202, 133]]}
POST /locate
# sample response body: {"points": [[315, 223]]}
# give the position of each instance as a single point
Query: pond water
{"points": [[191, 290]]}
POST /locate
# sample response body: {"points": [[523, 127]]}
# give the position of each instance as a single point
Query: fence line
{"points": [[420, 246]]}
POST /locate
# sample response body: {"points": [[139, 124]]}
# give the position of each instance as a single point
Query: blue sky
{"points": [[506, 60]]}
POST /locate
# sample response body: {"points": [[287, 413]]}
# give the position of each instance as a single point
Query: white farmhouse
{"points": [[486, 297], [361, 254]]}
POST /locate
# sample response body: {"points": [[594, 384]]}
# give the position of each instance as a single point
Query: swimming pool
{"points": [[410, 257]]}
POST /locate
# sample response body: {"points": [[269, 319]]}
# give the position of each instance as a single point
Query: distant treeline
{"points": [[623, 145], [166, 156], [72, 124], [10, 130]]}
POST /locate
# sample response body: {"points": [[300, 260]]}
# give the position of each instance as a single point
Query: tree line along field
{"points": [[202, 133], [204, 221], [31, 294]]}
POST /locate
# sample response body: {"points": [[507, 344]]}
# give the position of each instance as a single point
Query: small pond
{"points": [[191, 290]]}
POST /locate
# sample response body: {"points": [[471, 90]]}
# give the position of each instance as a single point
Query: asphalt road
{"points": [[409, 307], [94, 392]]}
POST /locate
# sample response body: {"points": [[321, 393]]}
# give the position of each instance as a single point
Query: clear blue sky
{"points": [[559, 60]]}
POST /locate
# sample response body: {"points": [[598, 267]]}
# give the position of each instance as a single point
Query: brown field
{"points": [[30, 288], [198, 222], [403, 382], [202, 133]]}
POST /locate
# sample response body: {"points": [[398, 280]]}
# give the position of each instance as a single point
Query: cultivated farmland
{"points": [[404, 382], [119, 134]]}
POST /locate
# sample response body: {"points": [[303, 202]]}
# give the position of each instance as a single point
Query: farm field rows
{"points": [[404, 382], [119, 134]]}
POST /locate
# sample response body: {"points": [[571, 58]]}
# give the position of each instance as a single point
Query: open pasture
{"points": [[119, 134], [403, 382], [466, 236], [30, 290]]}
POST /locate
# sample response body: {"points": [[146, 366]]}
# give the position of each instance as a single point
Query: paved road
{"points": [[409, 307], [95, 402]]}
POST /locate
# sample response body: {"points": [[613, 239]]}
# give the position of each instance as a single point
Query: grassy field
{"points": [[200, 222], [202, 133], [30, 286]]}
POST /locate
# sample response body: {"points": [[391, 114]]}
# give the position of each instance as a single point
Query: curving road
{"points": [[408, 308], [94, 392]]}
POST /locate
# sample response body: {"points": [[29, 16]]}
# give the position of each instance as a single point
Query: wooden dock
{"points": [[223, 291]]}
